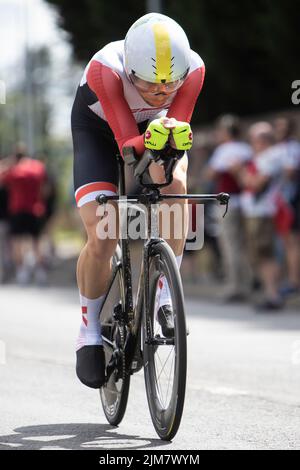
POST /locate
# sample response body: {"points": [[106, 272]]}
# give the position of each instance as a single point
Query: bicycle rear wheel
{"points": [[114, 394], [165, 360]]}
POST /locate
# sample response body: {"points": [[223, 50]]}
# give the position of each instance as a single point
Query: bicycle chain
{"points": [[121, 329]]}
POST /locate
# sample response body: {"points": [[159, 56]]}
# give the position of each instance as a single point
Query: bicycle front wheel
{"points": [[165, 358]]}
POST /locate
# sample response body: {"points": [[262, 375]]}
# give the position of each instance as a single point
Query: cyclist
{"points": [[123, 88]]}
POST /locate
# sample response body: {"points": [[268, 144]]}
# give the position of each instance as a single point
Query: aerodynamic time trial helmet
{"points": [[156, 50]]}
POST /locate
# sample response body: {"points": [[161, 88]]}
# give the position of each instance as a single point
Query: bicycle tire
{"points": [[114, 401], [166, 421]]}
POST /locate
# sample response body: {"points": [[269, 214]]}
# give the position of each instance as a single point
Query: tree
{"points": [[93, 23], [249, 48], [13, 114]]}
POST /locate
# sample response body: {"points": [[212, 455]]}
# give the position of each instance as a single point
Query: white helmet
{"points": [[157, 50]]}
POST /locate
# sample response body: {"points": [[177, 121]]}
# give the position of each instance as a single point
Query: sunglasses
{"points": [[156, 88]]}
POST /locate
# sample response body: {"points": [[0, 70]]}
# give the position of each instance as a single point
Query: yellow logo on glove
{"points": [[156, 135], [182, 135]]}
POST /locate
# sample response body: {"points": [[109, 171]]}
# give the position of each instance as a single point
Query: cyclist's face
{"points": [[158, 100], [155, 94]]}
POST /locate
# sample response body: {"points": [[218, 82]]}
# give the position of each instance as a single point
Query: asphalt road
{"points": [[243, 389]]}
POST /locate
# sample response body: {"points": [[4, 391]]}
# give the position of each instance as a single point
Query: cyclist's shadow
{"points": [[81, 436]]}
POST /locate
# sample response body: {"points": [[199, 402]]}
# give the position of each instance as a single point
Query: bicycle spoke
{"points": [[160, 384], [168, 384], [170, 373], [162, 370], [157, 383], [173, 347]]}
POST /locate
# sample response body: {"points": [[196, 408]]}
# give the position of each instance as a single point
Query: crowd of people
{"points": [[259, 240], [27, 198]]}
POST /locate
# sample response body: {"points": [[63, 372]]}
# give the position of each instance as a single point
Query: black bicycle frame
{"points": [[132, 315]]}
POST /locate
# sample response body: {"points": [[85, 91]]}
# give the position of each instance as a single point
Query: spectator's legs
{"points": [[292, 245], [40, 273], [232, 245], [19, 245], [261, 235], [269, 271]]}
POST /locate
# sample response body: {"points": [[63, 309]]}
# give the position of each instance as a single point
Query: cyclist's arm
{"points": [[184, 103], [108, 87]]}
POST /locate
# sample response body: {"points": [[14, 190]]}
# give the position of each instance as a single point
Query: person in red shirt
{"points": [[24, 179]]}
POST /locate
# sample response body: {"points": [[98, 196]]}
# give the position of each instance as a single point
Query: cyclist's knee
{"points": [[100, 241], [92, 214]]}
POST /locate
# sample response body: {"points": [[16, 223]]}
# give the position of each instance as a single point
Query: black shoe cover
{"points": [[90, 366]]}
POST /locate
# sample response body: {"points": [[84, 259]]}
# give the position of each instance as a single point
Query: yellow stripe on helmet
{"points": [[163, 52]]}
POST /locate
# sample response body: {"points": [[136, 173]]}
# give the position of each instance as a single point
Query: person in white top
{"points": [[290, 153], [261, 181], [231, 151]]}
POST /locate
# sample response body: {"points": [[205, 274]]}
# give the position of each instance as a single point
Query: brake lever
{"points": [[226, 210], [223, 199]]}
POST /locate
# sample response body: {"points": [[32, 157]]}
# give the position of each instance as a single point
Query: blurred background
{"points": [[246, 126]]}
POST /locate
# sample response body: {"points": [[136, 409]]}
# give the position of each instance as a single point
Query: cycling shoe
{"points": [[90, 366]]}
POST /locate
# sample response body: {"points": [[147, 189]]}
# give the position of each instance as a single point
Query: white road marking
{"points": [[52, 448], [215, 390], [115, 443], [10, 444], [48, 438]]}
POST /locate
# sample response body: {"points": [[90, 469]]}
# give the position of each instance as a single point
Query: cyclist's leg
{"points": [[176, 220], [94, 263], [95, 171], [93, 273]]}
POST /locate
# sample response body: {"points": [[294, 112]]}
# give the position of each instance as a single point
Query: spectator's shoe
{"points": [[289, 289], [165, 319], [269, 305], [90, 366]]}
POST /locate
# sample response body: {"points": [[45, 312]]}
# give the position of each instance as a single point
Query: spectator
{"points": [[50, 194], [24, 179], [261, 180], [3, 230], [231, 151], [290, 149]]}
